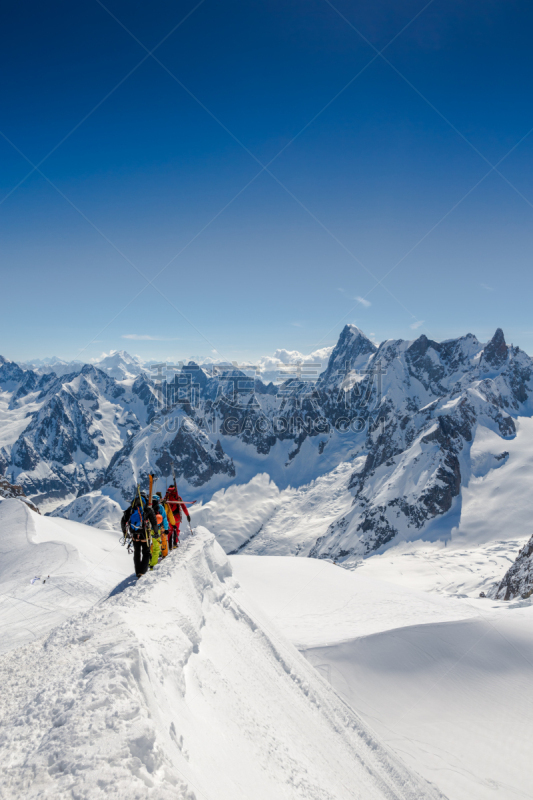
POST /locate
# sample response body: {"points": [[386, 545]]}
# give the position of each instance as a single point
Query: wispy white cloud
{"points": [[364, 302], [297, 324], [416, 325], [141, 337], [488, 288]]}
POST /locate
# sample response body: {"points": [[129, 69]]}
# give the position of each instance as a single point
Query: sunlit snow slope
{"points": [[171, 689], [445, 681], [51, 569]]}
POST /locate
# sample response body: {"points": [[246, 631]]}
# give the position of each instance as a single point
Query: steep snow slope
{"points": [[445, 681], [259, 518], [51, 569], [172, 690]]}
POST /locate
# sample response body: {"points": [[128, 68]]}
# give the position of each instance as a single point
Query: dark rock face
{"points": [[518, 580], [495, 353], [350, 352], [11, 375], [197, 460], [9, 490]]}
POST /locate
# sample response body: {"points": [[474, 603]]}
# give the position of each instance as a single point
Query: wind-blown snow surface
{"points": [[446, 682], [171, 689], [51, 569]]}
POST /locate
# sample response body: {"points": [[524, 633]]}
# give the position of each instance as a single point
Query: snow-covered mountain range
{"points": [[121, 365], [380, 442]]}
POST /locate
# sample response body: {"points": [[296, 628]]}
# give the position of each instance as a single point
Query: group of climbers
{"points": [[151, 526]]}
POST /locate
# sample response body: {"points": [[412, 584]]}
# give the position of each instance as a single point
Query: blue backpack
{"points": [[136, 521]]}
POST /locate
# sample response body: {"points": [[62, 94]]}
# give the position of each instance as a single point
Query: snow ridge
{"points": [[174, 689]]}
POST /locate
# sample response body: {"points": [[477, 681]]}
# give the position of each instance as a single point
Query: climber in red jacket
{"points": [[178, 508]]}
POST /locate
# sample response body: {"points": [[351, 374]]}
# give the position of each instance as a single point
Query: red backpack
{"points": [[172, 499]]}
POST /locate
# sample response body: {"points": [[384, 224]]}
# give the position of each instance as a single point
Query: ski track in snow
{"points": [[170, 689]]}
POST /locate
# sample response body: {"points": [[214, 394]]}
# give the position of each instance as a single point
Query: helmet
{"points": [[159, 519]]}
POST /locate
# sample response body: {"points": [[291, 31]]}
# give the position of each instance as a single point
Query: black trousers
{"points": [[141, 557]]}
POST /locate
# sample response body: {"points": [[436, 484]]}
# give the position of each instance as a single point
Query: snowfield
{"points": [[175, 687], [316, 603], [189, 683], [445, 681]]}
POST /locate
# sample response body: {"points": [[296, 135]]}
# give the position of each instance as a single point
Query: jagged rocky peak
{"points": [[421, 345], [496, 352], [351, 352]]}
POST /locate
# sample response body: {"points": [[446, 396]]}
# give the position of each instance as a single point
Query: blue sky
{"points": [[379, 180]]}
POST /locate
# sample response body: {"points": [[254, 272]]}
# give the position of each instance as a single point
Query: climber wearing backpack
{"points": [[162, 521], [171, 522], [178, 508], [136, 523]]}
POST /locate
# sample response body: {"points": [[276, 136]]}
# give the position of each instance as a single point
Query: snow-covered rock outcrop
{"points": [[9, 491], [174, 688], [518, 580]]}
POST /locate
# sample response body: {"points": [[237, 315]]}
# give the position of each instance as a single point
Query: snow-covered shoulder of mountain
{"points": [[137, 696], [94, 508], [449, 696], [51, 569], [9, 491]]}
